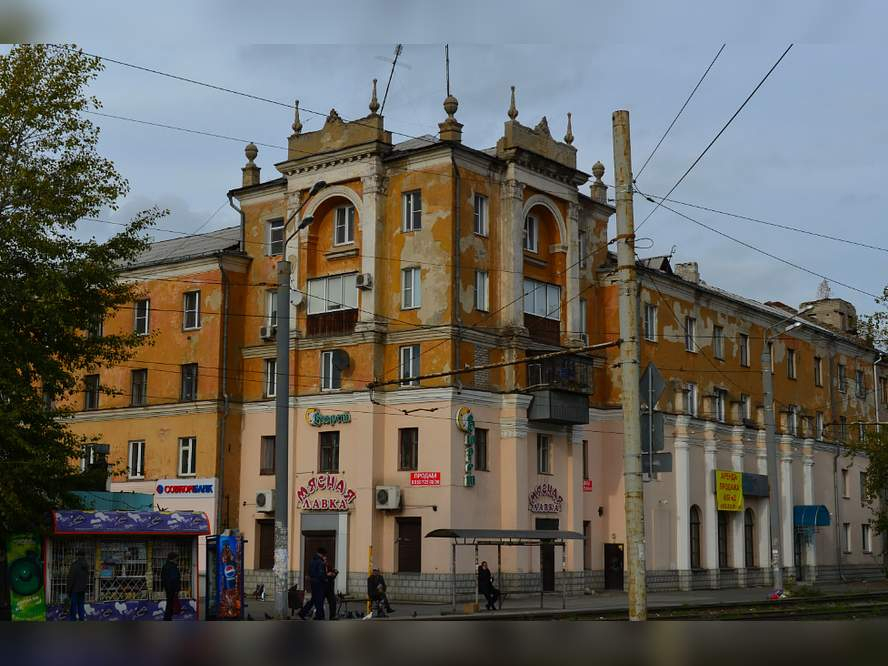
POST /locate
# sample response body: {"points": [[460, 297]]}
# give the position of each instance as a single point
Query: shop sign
{"points": [[313, 417], [466, 423], [425, 478], [181, 488], [545, 498], [336, 495], [587, 485], [728, 490]]}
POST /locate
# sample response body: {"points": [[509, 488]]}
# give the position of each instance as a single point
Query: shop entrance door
{"points": [[265, 554], [547, 554], [313, 541], [613, 566], [409, 545]]}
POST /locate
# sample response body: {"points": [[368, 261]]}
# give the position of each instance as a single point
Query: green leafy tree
{"points": [[54, 287], [874, 327], [875, 486]]}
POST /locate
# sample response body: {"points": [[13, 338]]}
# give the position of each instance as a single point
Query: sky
{"points": [[808, 150]]}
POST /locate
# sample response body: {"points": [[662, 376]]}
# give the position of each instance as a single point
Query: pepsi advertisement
{"points": [[227, 550]]}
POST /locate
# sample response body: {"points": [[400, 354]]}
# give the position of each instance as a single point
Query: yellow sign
{"points": [[728, 490]]}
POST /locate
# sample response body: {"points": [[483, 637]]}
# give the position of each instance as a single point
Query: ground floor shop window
{"points": [[695, 537], [722, 539], [749, 539]]}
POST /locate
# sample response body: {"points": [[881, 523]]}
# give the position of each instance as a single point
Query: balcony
{"points": [[558, 407], [543, 329], [338, 322], [567, 373]]}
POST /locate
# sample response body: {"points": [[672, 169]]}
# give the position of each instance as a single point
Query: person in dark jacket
{"points": [[485, 586], [376, 591], [317, 575], [78, 584], [330, 588], [171, 580]]}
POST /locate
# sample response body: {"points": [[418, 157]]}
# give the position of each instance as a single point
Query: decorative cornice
{"points": [[147, 412]]}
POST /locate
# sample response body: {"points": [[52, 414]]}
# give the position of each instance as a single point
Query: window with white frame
{"points": [[91, 392], [412, 208], [411, 288], [189, 382], [582, 326], [818, 425], [690, 394], [482, 291], [271, 308], [331, 293], [745, 406], [744, 350], [409, 365], [720, 399], [846, 483], [718, 342], [480, 222], [142, 323], [191, 306], [89, 457], [531, 234], [136, 469], [544, 454], [866, 538], [344, 225], [650, 322], [818, 371], [139, 387], [690, 334], [846, 537], [187, 456], [275, 236], [542, 299], [331, 373], [791, 371], [270, 377], [581, 249]]}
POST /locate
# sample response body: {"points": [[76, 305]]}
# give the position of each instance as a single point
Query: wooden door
{"points": [[313, 541], [265, 544], [409, 545]]}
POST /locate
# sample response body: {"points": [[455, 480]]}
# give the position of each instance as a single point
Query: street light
{"points": [[281, 418], [771, 446]]}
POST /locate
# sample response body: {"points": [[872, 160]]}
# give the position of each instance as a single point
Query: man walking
{"points": [[317, 575], [171, 580], [78, 584]]}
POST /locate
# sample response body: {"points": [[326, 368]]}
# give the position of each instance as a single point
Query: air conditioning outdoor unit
{"points": [[267, 332], [364, 280], [265, 501], [388, 497]]}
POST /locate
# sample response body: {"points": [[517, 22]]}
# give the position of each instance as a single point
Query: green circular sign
{"points": [[25, 576]]}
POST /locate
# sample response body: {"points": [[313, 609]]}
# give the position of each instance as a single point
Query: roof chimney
{"points": [[688, 271]]}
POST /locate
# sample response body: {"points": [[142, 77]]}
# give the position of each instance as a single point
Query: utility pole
{"points": [[629, 366], [282, 443], [773, 472]]}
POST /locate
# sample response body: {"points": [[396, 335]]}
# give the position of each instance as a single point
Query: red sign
{"points": [[342, 500], [425, 478], [587, 485]]}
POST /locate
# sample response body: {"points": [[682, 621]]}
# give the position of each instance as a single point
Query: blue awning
{"points": [[810, 515]]}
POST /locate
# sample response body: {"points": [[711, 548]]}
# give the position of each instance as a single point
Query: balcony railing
{"points": [[338, 322], [570, 373], [543, 329]]}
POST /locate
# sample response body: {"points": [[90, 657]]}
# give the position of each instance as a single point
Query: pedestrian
{"points": [[171, 580], [485, 586], [317, 575], [376, 592], [78, 584], [330, 588]]}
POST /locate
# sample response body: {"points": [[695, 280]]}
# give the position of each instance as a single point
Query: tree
{"points": [[875, 485], [54, 287], [874, 327]]}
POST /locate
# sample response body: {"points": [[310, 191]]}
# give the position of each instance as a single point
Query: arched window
{"points": [[749, 539], [695, 537], [722, 539]]}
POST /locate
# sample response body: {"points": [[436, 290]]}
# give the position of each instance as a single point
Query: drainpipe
{"points": [[457, 272], [838, 511], [243, 227], [226, 288]]}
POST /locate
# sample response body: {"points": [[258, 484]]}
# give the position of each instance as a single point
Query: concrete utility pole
{"points": [[281, 443], [629, 365], [773, 472]]}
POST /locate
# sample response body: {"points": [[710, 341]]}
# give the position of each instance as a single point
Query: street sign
{"points": [[662, 462], [655, 432], [651, 385]]}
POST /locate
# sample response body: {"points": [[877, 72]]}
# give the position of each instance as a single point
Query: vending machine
{"points": [[225, 576]]}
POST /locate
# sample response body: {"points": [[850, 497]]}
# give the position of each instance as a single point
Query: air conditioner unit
{"points": [[267, 332], [388, 497], [265, 501], [364, 281]]}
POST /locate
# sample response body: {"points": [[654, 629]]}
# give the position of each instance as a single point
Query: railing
{"points": [[338, 322], [571, 373]]}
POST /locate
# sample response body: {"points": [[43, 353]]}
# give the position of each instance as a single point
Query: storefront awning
{"points": [[130, 522], [810, 515]]}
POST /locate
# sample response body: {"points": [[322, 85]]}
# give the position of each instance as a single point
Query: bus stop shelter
{"points": [[474, 538]]}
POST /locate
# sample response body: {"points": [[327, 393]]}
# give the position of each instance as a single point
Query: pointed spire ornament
{"points": [[513, 110], [297, 124], [569, 137], [374, 103]]}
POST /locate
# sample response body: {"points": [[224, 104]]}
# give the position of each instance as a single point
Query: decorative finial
{"points": [[513, 110], [569, 136], [374, 103], [251, 151], [297, 124], [598, 171], [451, 104], [599, 189], [542, 127], [333, 117]]}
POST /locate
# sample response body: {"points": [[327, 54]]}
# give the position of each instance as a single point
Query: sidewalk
{"points": [[601, 601]]}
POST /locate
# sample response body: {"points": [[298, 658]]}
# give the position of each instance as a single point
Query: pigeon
{"points": [[268, 617], [249, 617]]}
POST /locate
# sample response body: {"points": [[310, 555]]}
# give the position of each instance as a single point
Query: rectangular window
{"points": [[818, 371], [187, 456], [411, 288], [690, 334], [481, 457], [480, 225], [191, 318], [744, 350], [139, 387], [846, 484], [843, 429], [846, 537], [136, 468], [691, 399], [189, 382], [584, 313], [409, 365], [142, 324], [331, 373], [585, 460], [721, 399], [544, 454], [271, 311], [581, 248], [531, 234], [860, 384], [818, 425], [542, 299], [793, 420], [650, 322], [270, 377], [861, 432], [482, 291], [718, 342], [843, 379], [332, 293], [412, 204], [883, 390], [275, 237], [745, 407], [89, 457], [328, 451], [791, 364], [408, 448], [866, 538], [96, 326], [344, 225], [266, 455], [91, 392], [863, 489]]}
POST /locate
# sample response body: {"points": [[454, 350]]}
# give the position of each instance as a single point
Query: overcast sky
{"points": [[807, 151]]}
